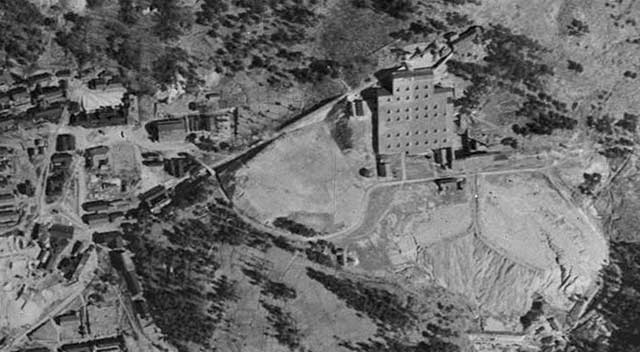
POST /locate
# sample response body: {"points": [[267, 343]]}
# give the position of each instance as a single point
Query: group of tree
{"points": [[21, 31]]}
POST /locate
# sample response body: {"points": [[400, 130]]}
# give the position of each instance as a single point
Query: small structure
{"points": [[359, 108], [96, 206], [9, 216], [20, 96], [51, 95], [177, 167], [450, 184], [155, 198], [63, 74], [51, 113], [77, 347], [108, 238], [169, 129], [95, 219], [65, 142], [61, 160], [60, 231], [101, 117], [71, 318], [5, 101], [109, 344], [38, 79], [7, 200], [96, 156]]}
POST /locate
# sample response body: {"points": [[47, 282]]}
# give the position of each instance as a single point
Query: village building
{"points": [[169, 129], [61, 161], [51, 113], [39, 79], [5, 101], [95, 157], [61, 231], [68, 319], [63, 74], [155, 198], [95, 219], [20, 96], [177, 167], [6, 80], [109, 344], [416, 117], [51, 95], [65, 142], [9, 216], [101, 117], [106, 238], [96, 206], [7, 200]]}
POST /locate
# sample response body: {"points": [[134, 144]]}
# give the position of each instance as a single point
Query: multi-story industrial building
{"points": [[415, 116]]}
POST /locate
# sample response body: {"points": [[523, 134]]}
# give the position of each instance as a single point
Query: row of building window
{"points": [[407, 117], [426, 86], [407, 97], [408, 144], [435, 130], [417, 108]]}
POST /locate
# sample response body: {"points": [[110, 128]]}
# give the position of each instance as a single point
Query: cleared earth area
{"points": [[522, 238], [303, 176]]}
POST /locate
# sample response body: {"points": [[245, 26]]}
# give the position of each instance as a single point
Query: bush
{"points": [[294, 227], [574, 66]]}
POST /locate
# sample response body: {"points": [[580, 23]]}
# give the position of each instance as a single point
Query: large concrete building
{"points": [[415, 116]]}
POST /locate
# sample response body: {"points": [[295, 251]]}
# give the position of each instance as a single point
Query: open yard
{"points": [[303, 176]]}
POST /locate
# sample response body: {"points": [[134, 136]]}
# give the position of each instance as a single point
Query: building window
{"points": [[417, 108], [444, 130], [398, 110], [426, 95], [407, 144], [407, 88], [407, 117], [417, 97], [388, 99], [397, 134], [426, 142], [407, 133], [388, 146], [435, 114], [398, 118], [426, 116], [398, 99], [435, 130], [406, 110], [417, 117], [389, 135], [435, 106], [417, 132], [407, 97], [426, 131], [417, 143], [426, 107], [444, 140], [388, 111], [388, 119], [397, 89]]}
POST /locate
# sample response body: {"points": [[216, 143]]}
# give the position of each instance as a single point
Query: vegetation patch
{"points": [[378, 304], [21, 35]]}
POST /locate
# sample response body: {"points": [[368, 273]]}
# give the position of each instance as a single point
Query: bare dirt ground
{"points": [[525, 236], [303, 174]]}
